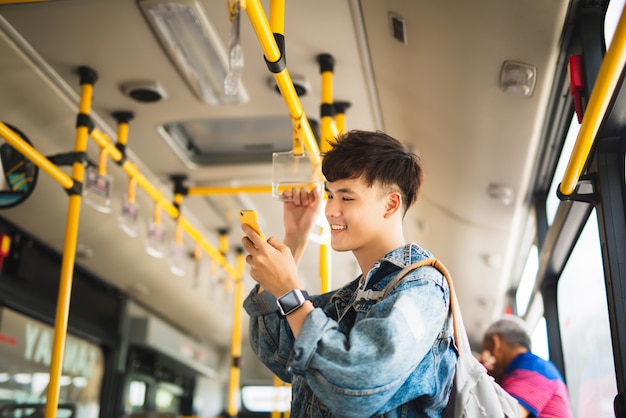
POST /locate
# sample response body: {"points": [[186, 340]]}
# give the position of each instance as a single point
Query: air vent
{"points": [[398, 28], [207, 142]]}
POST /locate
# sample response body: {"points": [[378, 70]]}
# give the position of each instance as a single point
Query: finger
{"points": [[314, 197], [317, 193], [296, 196], [247, 244], [305, 197], [251, 233], [287, 195], [276, 243]]}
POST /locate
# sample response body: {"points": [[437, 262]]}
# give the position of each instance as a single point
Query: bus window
{"points": [[167, 397], [585, 331], [266, 398], [613, 12], [539, 339], [25, 363], [527, 282], [552, 201], [136, 397]]}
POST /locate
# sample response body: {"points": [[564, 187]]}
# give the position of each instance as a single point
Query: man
{"points": [[347, 353], [536, 383]]}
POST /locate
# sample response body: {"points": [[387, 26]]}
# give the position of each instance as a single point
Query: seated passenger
{"points": [[536, 383]]}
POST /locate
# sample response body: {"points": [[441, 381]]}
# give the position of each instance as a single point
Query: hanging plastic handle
{"points": [[235, 54]]}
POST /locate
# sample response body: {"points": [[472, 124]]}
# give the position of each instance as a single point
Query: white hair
{"points": [[512, 329]]}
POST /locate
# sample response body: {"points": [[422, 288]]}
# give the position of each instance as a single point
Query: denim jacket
{"points": [[360, 357]]}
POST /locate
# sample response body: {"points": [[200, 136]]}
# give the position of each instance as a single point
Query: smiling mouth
{"points": [[338, 227]]}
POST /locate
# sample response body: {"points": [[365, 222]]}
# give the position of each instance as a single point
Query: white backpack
{"points": [[474, 393]]}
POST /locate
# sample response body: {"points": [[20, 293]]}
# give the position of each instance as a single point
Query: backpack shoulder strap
{"points": [[427, 262], [432, 262]]}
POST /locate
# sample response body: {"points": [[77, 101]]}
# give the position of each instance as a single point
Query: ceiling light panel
{"points": [[191, 41]]}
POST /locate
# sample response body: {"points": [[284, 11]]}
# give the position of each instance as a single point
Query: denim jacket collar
{"points": [[397, 259]]}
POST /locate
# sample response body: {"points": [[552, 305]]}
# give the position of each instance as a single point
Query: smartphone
{"points": [[250, 217]]}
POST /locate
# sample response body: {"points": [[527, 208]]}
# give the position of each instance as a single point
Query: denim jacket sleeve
{"points": [[271, 338], [356, 374]]}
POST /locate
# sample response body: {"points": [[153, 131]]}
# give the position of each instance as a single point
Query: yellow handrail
{"points": [[225, 190], [327, 65], [131, 169], [608, 77], [283, 80], [69, 253], [35, 156], [235, 348]]}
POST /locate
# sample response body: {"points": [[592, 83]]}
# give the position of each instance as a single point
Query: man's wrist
{"points": [[296, 244]]}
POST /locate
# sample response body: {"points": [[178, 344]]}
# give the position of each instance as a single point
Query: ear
{"points": [[497, 342], [393, 203]]}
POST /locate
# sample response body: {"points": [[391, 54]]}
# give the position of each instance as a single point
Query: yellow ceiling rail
{"points": [[21, 1], [88, 78], [131, 169], [273, 55], [608, 77], [226, 190], [35, 156]]}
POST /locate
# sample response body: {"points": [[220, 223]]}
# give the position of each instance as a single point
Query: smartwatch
{"points": [[291, 301]]}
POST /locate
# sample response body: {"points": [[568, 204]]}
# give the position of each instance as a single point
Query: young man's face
{"points": [[355, 213]]}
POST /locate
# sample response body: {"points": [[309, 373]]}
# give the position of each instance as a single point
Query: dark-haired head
{"points": [[377, 158]]}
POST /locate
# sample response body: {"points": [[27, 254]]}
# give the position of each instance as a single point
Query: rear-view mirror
{"points": [[19, 174]]}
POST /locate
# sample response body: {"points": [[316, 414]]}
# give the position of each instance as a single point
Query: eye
{"points": [[346, 199]]}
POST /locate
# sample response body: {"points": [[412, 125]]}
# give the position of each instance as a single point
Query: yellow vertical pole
{"points": [[123, 118], [340, 116], [235, 348], [325, 277], [277, 384], [178, 200], [223, 247], [327, 110], [223, 241], [327, 66], [87, 79], [608, 76]]}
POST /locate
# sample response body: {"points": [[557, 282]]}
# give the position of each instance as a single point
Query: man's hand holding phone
{"points": [[249, 217], [271, 262]]}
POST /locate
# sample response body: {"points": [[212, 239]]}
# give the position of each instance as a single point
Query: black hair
{"points": [[375, 157]]}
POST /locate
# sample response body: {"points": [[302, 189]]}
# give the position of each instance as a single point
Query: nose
{"points": [[331, 210]]}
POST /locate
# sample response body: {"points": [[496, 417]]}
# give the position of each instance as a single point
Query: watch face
{"points": [[290, 301]]}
